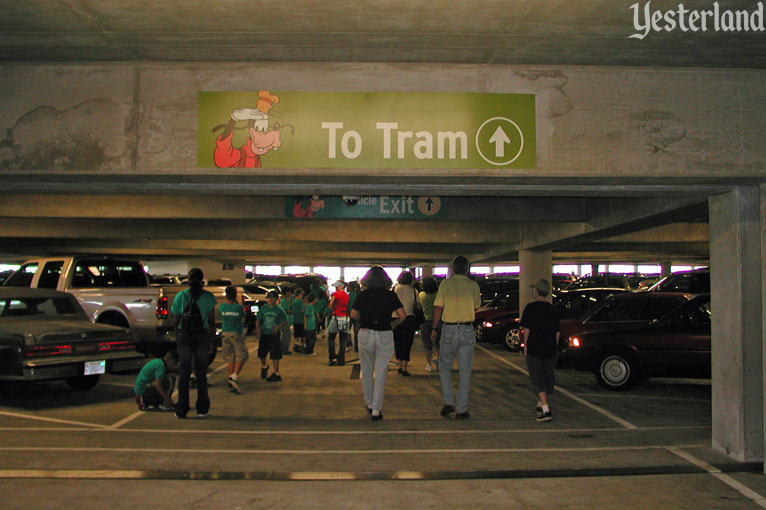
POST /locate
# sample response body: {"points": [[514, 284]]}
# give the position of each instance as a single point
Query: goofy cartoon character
{"points": [[261, 139]]}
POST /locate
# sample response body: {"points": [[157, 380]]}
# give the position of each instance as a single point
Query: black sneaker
{"points": [[273, 378], [447, 410], [543, 416], [462, 416], [264, 371], [234, 387], [332, 363]]}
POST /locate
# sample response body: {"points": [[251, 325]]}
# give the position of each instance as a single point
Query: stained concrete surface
{"points": [[306, 442]]}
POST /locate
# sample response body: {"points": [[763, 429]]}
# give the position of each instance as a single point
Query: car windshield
{"points": [[39, 307], [694, 283], [694, 313]]}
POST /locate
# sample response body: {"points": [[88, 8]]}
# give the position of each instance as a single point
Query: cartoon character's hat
{"points": [[259, 114]]}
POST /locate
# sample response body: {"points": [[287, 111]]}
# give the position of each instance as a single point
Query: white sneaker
{"points": [[429, 368]]}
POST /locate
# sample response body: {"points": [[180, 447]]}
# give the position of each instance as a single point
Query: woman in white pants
{"points": [[374, 307]]}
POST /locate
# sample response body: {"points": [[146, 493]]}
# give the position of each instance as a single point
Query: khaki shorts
{"points": [[233, 347]]}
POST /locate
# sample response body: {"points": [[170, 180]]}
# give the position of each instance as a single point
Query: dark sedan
{"points": [[570, 304], [677, 345], [45, 334]]}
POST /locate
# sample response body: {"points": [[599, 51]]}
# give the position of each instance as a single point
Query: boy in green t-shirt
{"points": [[310, 321], [268, 323], [233, 339], [297, 309], [153, 385]]}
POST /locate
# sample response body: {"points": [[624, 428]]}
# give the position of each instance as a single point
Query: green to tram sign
{"points": [[365, 130]]}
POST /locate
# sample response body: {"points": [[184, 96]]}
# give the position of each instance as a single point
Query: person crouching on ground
{"points": [[270, 320], [154, 384], [233, 338], [374, 307]]}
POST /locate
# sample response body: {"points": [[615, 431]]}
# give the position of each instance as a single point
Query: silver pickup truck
{"points": [[111, 290]]}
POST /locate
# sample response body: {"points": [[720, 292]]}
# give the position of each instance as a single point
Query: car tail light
{"points": [[487, 324], [47, 350], [162, 308], [574, 341], [122, 345]]}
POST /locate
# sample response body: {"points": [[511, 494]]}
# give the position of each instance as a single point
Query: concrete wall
{"points": [[590, 121]]}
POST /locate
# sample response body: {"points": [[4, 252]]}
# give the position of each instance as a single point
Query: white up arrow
{"points": [[499, 138]]}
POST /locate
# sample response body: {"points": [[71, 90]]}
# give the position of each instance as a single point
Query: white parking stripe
{"points": [[728, 480], [52, 420], [568, 393], [125, 420]]}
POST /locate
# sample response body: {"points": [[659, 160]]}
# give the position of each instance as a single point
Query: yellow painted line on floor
{"points": [[410, 451], [582, 401], [52, 420], [536, 430], [728, 480]]}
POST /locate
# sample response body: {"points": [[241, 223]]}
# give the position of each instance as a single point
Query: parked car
{"points": [[45, 334], [693, 282], [676, 345], [111, 290], [623, 281], [252, 297], [571, 305], [165, 279]]}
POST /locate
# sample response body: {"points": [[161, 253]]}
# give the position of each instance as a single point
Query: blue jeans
{"points": [[457, 340], [193, 351]]}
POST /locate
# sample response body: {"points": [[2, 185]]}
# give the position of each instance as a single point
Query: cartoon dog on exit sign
{"points": [[262, 138]]}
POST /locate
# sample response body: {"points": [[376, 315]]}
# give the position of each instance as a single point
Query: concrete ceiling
{"points": [[526, 32], [579, 219]]}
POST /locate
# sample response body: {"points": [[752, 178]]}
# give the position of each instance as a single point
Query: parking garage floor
{"points": [[307, 442]]}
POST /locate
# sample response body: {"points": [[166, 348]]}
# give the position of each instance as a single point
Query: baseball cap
{"points": [[542, 286]]}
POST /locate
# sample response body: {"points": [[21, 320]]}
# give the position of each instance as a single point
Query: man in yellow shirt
{"points": [[456, 301]]}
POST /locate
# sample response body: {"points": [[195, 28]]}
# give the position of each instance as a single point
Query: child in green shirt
{"points": [[297, 309], [153, 385], [232, 338], [310, 321]]}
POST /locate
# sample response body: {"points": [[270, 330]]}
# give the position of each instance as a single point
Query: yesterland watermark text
{"points": [[717, 19]]}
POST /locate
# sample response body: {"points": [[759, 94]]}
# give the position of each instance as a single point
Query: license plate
{"points": [[95, 367]]}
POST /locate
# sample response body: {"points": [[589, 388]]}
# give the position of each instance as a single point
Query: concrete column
{"points": [[736, 265], [534, 265], [665, 266], [428, 270]]}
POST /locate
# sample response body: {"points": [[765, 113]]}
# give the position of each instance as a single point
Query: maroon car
{"points": [[622, 311], [676, 345]]}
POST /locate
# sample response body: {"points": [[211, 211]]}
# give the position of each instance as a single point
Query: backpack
{"points": [[192, 323]]}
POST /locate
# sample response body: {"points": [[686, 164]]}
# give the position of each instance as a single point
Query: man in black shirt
{"points": [[540, 333]]}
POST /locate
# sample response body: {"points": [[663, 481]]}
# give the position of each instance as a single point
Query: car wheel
{"points": [[616, 371], [511, 339], [82, 382]]}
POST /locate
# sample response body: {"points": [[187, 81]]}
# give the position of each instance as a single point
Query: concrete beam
{"points": [[247, 230], [612, 217], [267, 207]]}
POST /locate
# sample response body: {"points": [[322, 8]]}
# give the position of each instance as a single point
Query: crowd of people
{"points": [[375, 317]]}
